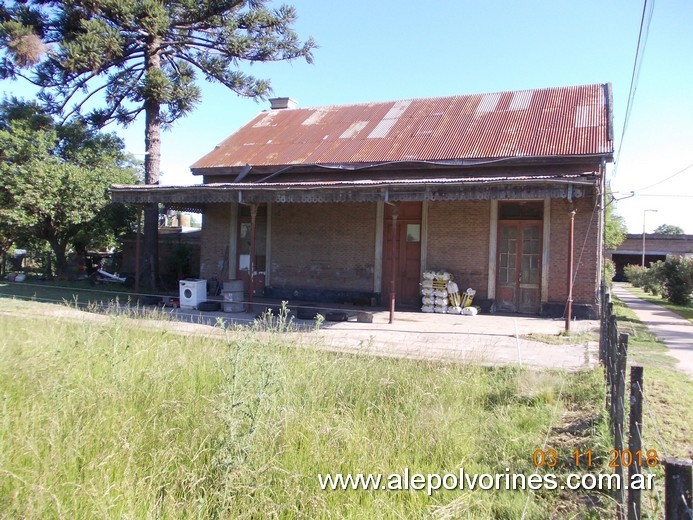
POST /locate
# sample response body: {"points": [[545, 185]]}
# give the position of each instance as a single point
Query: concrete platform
{"points": [[488, 339]]}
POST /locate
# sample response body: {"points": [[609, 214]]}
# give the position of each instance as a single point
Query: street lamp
{"points": [[644, 213]]}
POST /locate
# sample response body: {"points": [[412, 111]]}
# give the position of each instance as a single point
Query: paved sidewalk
{"points": [[669, 328]]}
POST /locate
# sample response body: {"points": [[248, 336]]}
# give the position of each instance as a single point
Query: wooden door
{"points": [[407, 254], [519, 267], [243, 260]]}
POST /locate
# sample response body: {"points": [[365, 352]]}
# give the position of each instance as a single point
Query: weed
{"points": [[105, 418]]}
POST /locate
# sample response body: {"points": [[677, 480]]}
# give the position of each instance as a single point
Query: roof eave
{"points": [[411, 164]]}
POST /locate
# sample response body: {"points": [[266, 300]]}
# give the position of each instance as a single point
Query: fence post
{"points": [[604, 320], [677, 489], [635, 438], [611, 369], [618, 401]]}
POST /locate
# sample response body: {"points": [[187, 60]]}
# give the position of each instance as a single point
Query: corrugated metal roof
{"points": [[560, 121]]}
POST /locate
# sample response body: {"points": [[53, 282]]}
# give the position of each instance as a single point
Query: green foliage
{"points": [[668, 229], [672, 279], [615, 229], [56, 177], [609, 271], [634, 274], [649, 278], [653, 278], [180, 260], [114, 59], [677, 275], [136, 52]]}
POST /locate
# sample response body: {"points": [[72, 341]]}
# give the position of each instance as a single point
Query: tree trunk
{"points": [[59, 248], [152, 159]]}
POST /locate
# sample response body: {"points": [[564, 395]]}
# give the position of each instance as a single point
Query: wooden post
{"points": [[251, 266], [393, 261], [138, 259], [619, 411], [571, 243], [604, 315], [611, 346], [677, 489], [635, 438]]}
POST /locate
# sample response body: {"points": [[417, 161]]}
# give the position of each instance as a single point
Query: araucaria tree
{"points": [[125, 57]]}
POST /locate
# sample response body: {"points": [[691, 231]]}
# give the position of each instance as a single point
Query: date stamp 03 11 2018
{"points": [[550, 459]]}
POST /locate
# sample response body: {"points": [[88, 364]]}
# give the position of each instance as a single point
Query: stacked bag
{"points": [[434, 291], [440, 294]]}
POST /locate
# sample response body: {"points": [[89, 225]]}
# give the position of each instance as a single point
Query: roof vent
{"points": [[281, 103]]}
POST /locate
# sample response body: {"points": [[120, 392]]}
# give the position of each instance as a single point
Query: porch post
{"points": [[251, 266], [393, 263], [571, 241], [138, 254], [492, 250], [378, 286]]}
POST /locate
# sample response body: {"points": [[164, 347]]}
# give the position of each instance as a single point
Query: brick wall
{"points": [[323, 246], [331, 246], [458, 234], [586, 255], [215, 242]]}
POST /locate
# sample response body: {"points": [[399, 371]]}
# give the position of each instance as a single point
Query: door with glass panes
{"points": [[519, 266]]}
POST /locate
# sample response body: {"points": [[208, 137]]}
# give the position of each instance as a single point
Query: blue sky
{"points": [[387, 50]]}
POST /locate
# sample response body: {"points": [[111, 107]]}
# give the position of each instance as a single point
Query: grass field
{"points": [[106, 418]]}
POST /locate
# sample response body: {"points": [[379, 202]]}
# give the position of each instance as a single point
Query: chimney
{"points": [[281, 103]]}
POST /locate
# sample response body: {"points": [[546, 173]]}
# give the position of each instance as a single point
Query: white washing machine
{"points": [[192, 293]]}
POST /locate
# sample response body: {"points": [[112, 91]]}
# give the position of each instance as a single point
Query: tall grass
{"points": [[111, 420], [104, 421]]}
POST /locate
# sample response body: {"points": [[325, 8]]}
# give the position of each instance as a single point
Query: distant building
{"points": [[657, 247]]}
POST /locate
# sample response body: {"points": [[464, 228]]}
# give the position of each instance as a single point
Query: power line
{"points": [[665, 179], [645, 20], [665, 195], [633, 193]]}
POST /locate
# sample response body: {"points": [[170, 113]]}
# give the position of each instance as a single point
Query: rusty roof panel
{"points": [[528, 123]]}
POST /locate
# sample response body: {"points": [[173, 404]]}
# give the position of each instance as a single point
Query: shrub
{"points": [[653, 278], [609, 271], [677, 274], [634, 274]]}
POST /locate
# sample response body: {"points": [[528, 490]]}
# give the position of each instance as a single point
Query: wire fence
{"points": [[635, 464], [114, 298]]}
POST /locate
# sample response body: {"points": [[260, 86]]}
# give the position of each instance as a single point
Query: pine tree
{"points": [[132, 56]]}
